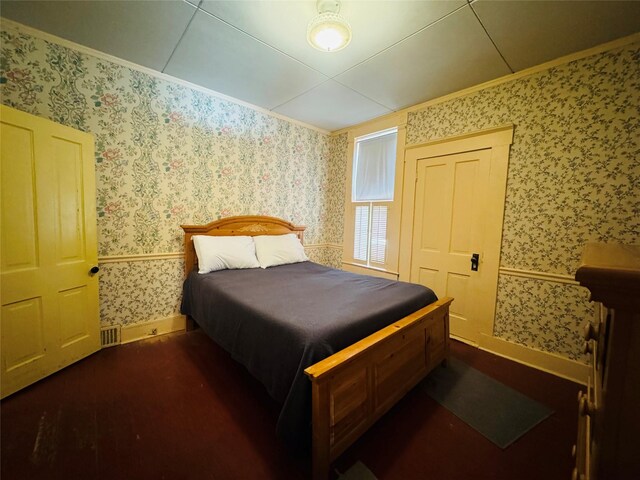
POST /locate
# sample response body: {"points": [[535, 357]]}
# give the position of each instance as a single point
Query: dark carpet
{"points": [[178, 407], [496, 411]]}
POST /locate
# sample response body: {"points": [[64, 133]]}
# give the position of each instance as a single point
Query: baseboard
{"points": [[140, 331], [463, 340], [545, 361]]}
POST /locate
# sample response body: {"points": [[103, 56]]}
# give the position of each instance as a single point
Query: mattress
{"points": [[280, 320]]}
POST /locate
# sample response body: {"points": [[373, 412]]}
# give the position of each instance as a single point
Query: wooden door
{"points": [[49, 315], [449, 225]]}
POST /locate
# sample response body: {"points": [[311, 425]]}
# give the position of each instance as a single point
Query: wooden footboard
{"points": [[356, 386]]}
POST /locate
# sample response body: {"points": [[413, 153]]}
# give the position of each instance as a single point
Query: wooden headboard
{"points": [[250, 225]]}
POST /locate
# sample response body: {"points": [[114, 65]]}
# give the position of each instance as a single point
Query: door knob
{"points": [[94, 270], [475, 258]]}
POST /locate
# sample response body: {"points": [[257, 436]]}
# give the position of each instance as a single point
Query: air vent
{"points": [[110, 336]]}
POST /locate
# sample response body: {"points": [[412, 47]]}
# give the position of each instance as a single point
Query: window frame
{"points": [[389, 268]]}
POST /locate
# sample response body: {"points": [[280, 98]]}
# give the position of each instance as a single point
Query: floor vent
{"points": [[110, 336]]}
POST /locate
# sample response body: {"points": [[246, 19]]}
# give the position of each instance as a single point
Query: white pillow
{"points": [[275, 250], [219, 253]]}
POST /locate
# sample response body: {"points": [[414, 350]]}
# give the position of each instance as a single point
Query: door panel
{"points": [[73, 303], [458, 288], [22, 334], [448, 228], [433, 193], [50, 314], [19, 245], [427, 277], [67, 160], [464, 212]]}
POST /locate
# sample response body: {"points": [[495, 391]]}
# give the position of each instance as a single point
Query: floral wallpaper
{"points": [[132, 292], [331, 256], [543, 314], [168, 155], [334, 219], [574, 177]]}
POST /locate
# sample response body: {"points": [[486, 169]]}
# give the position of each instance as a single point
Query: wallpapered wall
{"points": [[574, 177], [168, 155]]}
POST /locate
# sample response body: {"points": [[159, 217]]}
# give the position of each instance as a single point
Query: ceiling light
{"points": [[328, 31]]}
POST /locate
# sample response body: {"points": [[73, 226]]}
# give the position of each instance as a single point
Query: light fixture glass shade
{"points": [[329, 32]]}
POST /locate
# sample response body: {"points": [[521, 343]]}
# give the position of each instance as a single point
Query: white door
{"points": [[451, 216], [50, 315]]}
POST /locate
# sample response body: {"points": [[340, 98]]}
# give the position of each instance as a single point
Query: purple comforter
{"points": [[280, 320]]}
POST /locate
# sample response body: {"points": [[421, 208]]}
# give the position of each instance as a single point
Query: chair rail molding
{"points": [[143, 257]]}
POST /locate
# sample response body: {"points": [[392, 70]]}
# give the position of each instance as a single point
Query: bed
{"points": [[335, 369]]}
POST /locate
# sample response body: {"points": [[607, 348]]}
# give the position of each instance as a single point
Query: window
{"points": [[372, 192], [373, 196]]}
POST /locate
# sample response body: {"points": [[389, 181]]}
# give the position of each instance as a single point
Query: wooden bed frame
{"points": [[356, 386]]}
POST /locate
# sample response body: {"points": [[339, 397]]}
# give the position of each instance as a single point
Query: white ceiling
{"points": [[402, 52]]}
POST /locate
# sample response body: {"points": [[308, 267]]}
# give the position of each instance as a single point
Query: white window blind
{"points": [[374, 169], [370, 235], [372, 194], [378, 247], [361, 237]]}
